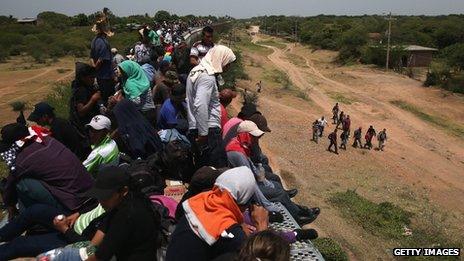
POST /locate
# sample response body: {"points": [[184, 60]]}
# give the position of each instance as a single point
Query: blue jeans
{"points": [[30, 246], [211, 153], [31, 192]]}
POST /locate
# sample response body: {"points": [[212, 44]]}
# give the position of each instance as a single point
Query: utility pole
{"points": [[296, 32], [390, 19]]}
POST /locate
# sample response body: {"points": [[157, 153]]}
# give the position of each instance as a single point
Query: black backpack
{"points": [[177, 158], [145, 180]]}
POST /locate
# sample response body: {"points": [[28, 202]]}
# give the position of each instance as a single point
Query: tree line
{"points": [[58, 35]]}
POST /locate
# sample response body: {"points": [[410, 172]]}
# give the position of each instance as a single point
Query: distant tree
{"points": [[162, 15], [454, 56], [55, 20], [449, 33], [352, 43], [80, 20], [7, 19]]}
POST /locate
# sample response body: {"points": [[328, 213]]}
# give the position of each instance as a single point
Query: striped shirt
{"points": [[106, 153], [84, 220]]}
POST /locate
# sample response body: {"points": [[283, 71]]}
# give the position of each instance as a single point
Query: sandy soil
{"points": [[421, 170]]}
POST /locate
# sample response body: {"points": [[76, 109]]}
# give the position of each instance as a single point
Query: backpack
{"points": [[146, 180], [177, 157]]}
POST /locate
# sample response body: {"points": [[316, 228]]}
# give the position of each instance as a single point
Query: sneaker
{"points": [[305, 234], [304, 220], [292, 192], [304, 210], [276, 217]]}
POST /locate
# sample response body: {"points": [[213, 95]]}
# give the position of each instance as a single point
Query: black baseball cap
{"points": [[41, 109], [109, 180], [83, 70]]}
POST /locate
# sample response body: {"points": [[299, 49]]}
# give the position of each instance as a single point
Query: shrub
{"points": [[351, 44], [38, 56], [454, 56], [384, 219], [235, 72], [59, 99]]}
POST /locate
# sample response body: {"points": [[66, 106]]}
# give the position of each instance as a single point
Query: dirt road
{"points": [[29, 84], [422, 167]]}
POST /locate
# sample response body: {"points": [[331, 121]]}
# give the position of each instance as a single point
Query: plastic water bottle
{"points": [[4, 220], [50, 255], [220, 80]]}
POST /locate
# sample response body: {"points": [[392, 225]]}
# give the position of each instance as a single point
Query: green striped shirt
{"points": [[105, 153]]}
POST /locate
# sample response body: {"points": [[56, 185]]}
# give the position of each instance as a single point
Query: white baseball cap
{"points": [[100, 122], [250, 127]]}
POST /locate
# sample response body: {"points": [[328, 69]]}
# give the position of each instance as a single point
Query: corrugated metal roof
{"points": [[27, 20], [418, 48]]}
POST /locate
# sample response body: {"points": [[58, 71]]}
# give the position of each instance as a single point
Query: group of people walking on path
{"points": [[343, 121]]}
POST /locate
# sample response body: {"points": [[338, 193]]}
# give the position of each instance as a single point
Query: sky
{"points": [[234, 8]]}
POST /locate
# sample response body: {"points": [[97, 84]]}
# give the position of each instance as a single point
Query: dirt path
{"points": [[421, 168], [436, 153], [29, 85]]}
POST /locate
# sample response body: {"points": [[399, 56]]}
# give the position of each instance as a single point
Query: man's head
{"points": [[171, 78], [207, 35], [43, 114], [260, 121], [144, 35], [11, 133], [98, 127], [247, 110], [336, 130], [384, 130], [178, 94], [111, 187], [194, 57], [226, 96], [85, 74], [322, 118], [114, 51], [347, 116], [250, 128]]}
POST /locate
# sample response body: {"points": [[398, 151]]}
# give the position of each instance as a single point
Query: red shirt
{"points": [[224, 116]]}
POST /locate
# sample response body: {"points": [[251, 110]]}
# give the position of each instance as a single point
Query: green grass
{"points": [[330, 249], [283, 80], [59, 98], [62, 70], [296, 60], [254, 48], [384, 219], [387, 221], [279, 77], [453, 128], [272, 43], [18, 105], [3, 169], [339, 97]]}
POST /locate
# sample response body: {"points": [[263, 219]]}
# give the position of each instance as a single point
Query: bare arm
{"points": [[84, 109], [97, 238]]}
